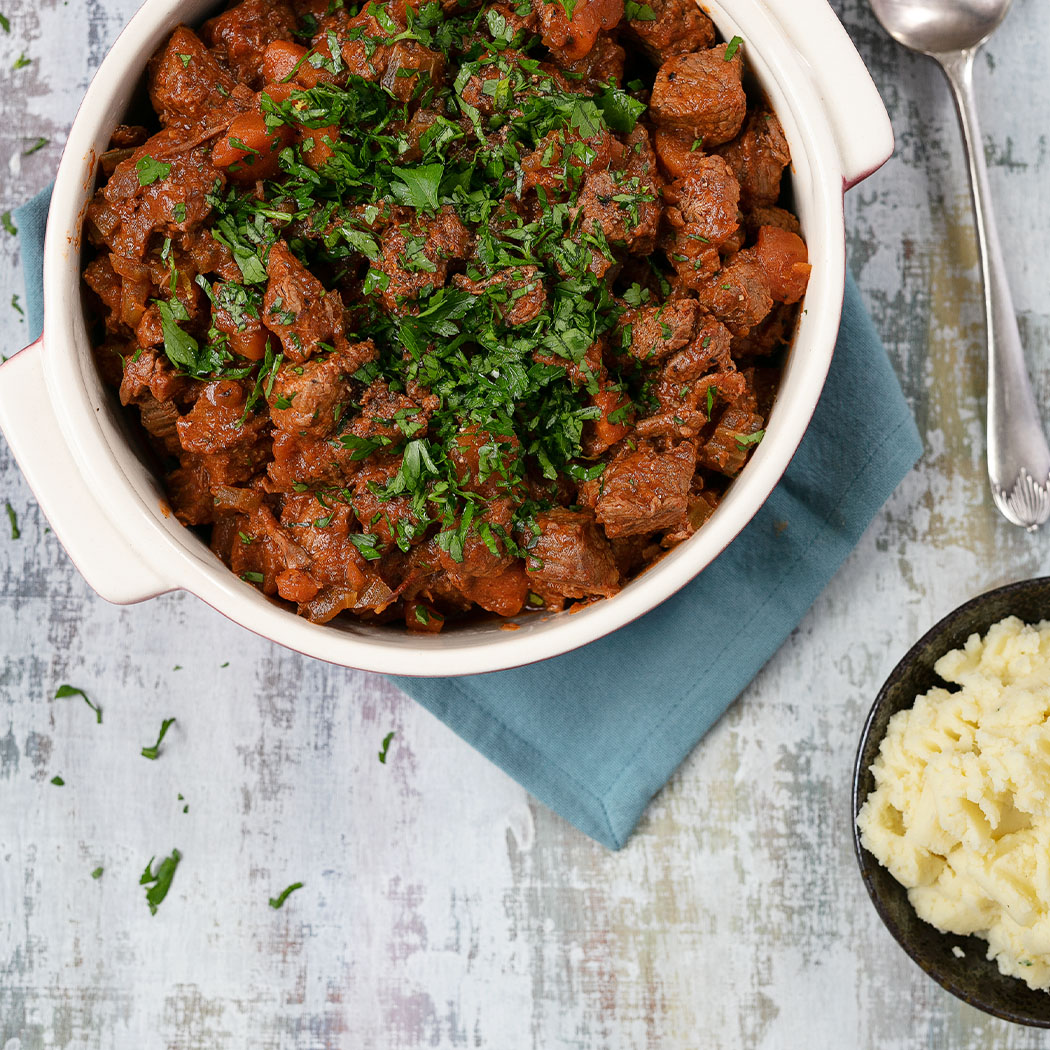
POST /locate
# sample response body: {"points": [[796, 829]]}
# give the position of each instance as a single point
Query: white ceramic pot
{"points": [[110, 513]]}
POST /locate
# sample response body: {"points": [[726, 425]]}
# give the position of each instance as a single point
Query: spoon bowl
{"points": [[936, 27]]}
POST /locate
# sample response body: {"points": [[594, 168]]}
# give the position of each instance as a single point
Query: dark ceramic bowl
{"points": [[973, 978]]}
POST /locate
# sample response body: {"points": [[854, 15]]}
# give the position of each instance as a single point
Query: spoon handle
{"points": [[1018, 457]]}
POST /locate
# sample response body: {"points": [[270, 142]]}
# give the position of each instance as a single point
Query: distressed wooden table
{"points": [[441, 906]]}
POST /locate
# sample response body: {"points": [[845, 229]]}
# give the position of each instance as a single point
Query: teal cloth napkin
{"points": [[596, 733]]}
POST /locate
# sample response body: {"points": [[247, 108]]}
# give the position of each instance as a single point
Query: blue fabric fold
{"points": [[596, 733]]}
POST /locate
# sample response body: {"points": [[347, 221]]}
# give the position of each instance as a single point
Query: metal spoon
{"points": [[951, 31]]}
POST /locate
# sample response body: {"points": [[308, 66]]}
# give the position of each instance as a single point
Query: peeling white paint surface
{"points": [[441, 907]]}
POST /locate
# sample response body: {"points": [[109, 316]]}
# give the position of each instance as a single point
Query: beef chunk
{"points": [[738, 294], [671, 27], [758, 157], [149, 374], [622, 208], [367, 51], [159, 419], [548, 166], [415, 255], [700, 95], [571, 558], [185, 80], [297, 306], [215, 422], [126, 213], [572, 38], [770, 215], [503, 594], [652, 332], [241, 35], [308, 459], [189, 490], [727, 449], [309, 398], [646, 490], [518, 292], [602, 64], [411, 69], [703, 206]]}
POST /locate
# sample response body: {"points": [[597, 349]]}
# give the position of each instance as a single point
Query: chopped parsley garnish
{"points": [[71, 690], [8, 224], [386, 741], [5, 25], [150, 170], [278, 901], [21, 62], [12, 517], [252, 577], [158, 883], [40, 143], [733, 47], [153, 751], [636, 12], [17, 306], [746, 440], [97, 873], [57, 781], [179, 212]]}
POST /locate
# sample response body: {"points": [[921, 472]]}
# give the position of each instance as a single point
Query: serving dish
{"points": [[972, 977], [109, 512]]}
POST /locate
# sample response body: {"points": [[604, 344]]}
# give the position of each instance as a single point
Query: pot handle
{"points": [[855, 110], [94, 544]]}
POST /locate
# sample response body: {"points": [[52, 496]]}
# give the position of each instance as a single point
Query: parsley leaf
{"points": [[71, 690], [97, 873], [16, 532], [733, 47], [8, 225], [621, 111], [278, 901], [21, 62], [153, 751], [386, 742], [418, 186], [158, 883], [149, 170], [635, 12], [58, 781], [5, 25], [40, 143], [744, 440]]}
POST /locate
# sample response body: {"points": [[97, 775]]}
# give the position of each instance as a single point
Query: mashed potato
{"points": [[960, 814]]}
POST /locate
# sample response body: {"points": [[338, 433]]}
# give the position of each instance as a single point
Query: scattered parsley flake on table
{"points": [[154, 751], [97, 873], [5, 25], [71, 690], [21, 62], [386, 746], [16, 305], [158, 883], [40, 143], [58, 781], [16, 532], [8, 225], [278, 901]]}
